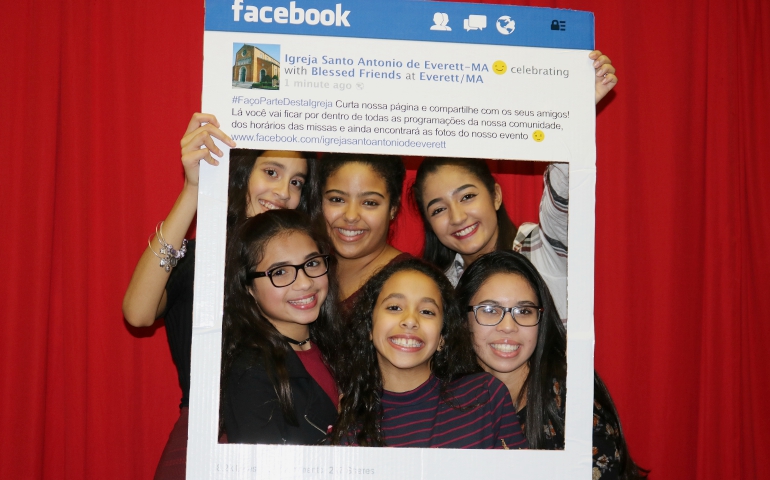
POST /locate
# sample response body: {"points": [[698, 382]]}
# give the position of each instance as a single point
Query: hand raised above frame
{"points": [[605, 74], [197, 144]]}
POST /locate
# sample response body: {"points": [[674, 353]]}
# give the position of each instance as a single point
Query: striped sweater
{"points": [[482, 416]]}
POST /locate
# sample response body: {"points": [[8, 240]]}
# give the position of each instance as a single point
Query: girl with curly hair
{"points": [[412, 378], [278, 332], [358, 197]]}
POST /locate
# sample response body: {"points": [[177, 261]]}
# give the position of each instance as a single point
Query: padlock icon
{"points": [[554, 25]]}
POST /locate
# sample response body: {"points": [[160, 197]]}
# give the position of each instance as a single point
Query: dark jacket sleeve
{"points": [[253, 414]]}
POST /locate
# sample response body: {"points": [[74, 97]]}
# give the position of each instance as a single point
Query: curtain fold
{"points": [[97, 95]]}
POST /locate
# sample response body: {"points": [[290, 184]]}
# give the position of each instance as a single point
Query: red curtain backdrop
{"points": [[95, 97]]}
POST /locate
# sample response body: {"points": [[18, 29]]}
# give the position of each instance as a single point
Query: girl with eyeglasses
{"points": [[277, 386], [412, 378], [163, 287], [519, 338]]}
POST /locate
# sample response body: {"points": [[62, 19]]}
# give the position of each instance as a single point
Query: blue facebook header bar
{"points": [[407, 20]]}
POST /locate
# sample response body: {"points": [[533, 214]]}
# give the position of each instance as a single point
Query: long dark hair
{"points": [[361, 386], [549, 360], [242, 163], [388, 167], [436, 252], [245, 328]]}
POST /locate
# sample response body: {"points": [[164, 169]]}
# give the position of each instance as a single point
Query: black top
{"points": [[252, 413], [178, 318]]}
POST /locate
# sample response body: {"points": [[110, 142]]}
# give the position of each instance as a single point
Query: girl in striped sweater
{"points": [[410, 374]]}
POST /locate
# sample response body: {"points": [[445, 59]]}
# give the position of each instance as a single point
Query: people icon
{"points": [[440, 20]]}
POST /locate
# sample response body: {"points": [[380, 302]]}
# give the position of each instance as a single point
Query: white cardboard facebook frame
{"points": [[399, 34]]}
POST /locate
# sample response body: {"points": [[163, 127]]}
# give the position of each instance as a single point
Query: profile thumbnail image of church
{"points": [[256, 69]]}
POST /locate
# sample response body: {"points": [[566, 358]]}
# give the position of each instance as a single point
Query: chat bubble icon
{"points": [[475, 22]]}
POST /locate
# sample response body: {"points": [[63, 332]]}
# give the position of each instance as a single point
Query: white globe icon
{"points": [[505, 25]]}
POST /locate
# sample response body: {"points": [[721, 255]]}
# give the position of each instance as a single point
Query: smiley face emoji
{"points": [[499, 67], [538, 136]]}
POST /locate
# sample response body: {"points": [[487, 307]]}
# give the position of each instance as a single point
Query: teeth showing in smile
{"points": [[504, 347], [465, 231], [269, 205], [350, 233], [304, 301], [406, 342]]}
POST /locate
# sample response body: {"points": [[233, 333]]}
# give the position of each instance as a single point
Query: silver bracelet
{"points": [[169, 256]]}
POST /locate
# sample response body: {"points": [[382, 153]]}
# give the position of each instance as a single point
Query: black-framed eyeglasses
{"points": [[491, 315], [285, 275]]}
